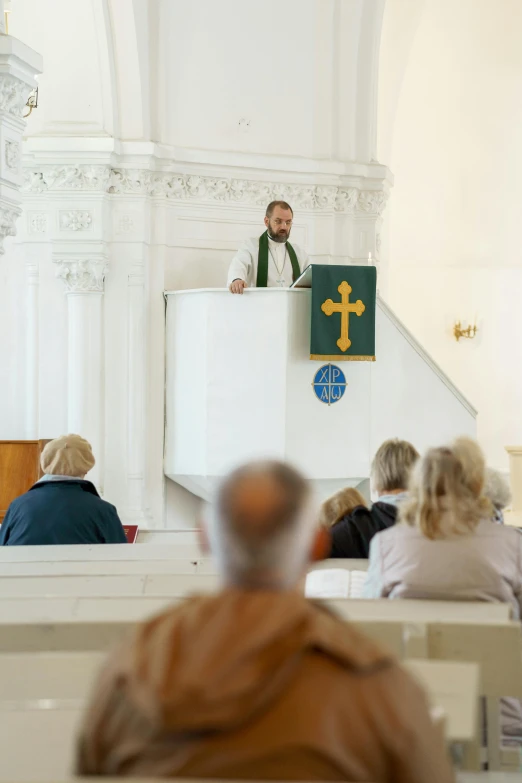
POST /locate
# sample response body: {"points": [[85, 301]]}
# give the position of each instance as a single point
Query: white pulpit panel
{"points": [[240, 386]]}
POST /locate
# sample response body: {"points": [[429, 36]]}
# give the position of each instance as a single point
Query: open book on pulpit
{"points": [[305, 278]]}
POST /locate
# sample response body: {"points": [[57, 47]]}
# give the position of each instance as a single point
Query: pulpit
{"points": [[19, 469], [240, 385]]}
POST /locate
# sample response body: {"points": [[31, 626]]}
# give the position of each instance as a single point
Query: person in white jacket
{"points": [[269, 260]]}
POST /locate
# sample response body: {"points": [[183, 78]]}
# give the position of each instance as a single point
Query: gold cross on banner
{"points": [[345, 308]]}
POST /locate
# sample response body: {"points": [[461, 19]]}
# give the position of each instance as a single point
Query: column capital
{"points": [[82, 275]]}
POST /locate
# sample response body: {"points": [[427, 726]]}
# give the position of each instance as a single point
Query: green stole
{"points": [[262, 262]]}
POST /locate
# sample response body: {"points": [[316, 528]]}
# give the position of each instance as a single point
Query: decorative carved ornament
{"points": [[82, 276], [13, 95], [75, 220], [183, 187], [37, 222], [8, 217], [12, 155], [86, 178], [125, 224]]}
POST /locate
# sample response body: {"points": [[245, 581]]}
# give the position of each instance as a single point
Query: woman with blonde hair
{"points": [[390, 472], [339, 505], [447, 546]]}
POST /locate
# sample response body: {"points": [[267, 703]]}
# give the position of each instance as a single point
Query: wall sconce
{"points": [[32, 102], [469, 332]]}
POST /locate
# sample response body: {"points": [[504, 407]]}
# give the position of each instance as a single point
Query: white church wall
{"points": [[76, 86], [451, 120], [150, 151], [485, 369], [245, 80]]}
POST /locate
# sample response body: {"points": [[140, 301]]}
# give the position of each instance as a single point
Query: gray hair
{"points": [[264, 542], [497, 489], [392, 464]]}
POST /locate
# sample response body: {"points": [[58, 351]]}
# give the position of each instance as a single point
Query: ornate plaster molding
{"points": [[13, 94], [66, 178], [82, 276], [191, 187], [8, 217]]}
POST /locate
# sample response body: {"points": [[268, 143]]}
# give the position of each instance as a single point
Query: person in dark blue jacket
{"points": [[62, 508]]}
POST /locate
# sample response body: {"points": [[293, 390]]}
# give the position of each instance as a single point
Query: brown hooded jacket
{"points": [[258, 685]]}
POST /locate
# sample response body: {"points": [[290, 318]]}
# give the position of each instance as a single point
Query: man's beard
{"points": [[281, 235]]}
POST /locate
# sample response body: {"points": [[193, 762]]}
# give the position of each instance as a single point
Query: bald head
{"points": [[263, 525]]}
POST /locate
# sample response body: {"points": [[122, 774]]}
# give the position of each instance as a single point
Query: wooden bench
{"points": [[98, 607], [99, 552], [168, 536], [135, 585], [476, 632], [43, 696], [453, 687], [112, 559], [119, 577]]}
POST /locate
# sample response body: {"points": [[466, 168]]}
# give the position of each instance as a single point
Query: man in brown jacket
{"points": [[256, 682]]}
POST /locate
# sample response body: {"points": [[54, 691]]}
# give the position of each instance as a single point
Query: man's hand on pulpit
{"points": [[237, 286]]}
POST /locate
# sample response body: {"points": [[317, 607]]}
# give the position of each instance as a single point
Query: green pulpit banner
{"points": [[343, 313]]}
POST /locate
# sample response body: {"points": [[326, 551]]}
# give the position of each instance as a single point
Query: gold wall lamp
{"points": [[469, 332], [32, 102]]}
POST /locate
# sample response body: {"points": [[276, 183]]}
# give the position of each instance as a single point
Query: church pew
{"points": [[453, 687], [85, 635], [106, 609], [46, 692], [91, 564], [62, 578], [100, 552], [421, 611], [37, 741], [500, 659], [495, 645], [174, 585], [103, 567], [42, 699], [170, 536]]}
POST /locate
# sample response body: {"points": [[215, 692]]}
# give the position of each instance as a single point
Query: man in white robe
{"points": [[269, 260]]}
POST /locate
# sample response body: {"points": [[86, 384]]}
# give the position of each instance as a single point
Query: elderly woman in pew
{"points": [[62, 508], [447, 546]]}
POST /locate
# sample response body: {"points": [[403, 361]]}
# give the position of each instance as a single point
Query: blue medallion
{"points": [[329, 384]]}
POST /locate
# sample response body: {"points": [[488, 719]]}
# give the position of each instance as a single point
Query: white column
{"points": [[31, 351], [84, 281], [136, 335]]}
